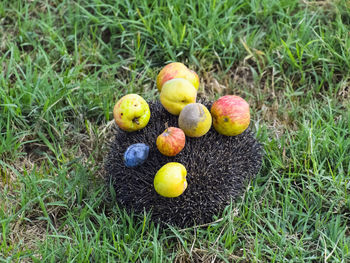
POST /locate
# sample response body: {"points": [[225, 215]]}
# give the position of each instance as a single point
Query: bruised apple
{"points": [[171, 141], [231, 115], [195, 120], [131, 113]]}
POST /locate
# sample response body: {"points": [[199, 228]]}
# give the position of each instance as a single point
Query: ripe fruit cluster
{"points": [[178, 85]]}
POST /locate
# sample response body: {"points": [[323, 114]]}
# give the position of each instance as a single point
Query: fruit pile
{"points": [[178, 85]]}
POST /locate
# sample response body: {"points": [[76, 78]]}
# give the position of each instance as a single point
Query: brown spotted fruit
{"points": [[231, 115], [195, 120], [131, 113]]}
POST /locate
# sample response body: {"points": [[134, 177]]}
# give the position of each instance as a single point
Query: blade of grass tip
{"points": [[246, 47], [43, 208], [143, 242], [14, 170], [3, 244], [183, 33], [155, 244], [39, 194], [47, 143], [179, 237], [148, 28], [289, 52], [330, 47]]}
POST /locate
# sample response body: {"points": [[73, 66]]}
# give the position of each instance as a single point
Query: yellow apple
{"points": [[131, 113], [193, 78], [231, 115], [195, 120], [176, 94], [177, 70], [170, 180]]}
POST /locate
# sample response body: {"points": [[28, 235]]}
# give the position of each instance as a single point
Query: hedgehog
{"points": [[218, 169]]}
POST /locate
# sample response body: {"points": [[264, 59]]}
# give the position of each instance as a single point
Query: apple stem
{"points": [[166, 125], [136, 119]]}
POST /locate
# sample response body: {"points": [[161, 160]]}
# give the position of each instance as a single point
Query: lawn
{"points": [[65, 63]]}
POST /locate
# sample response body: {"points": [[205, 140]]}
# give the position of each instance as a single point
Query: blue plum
{"points": [[136, 154]]}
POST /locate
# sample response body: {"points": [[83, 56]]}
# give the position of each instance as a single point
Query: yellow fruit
{"points": [[131, 113], [195, 120], [193, 78], [170, 180], [176, 94]]}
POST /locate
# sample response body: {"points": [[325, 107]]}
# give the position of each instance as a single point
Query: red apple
{"points": [[171, 141], [231, 115], [176, 70]]}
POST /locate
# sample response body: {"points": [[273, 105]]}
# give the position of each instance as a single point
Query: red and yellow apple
{"points": [[171, 141], [176, 94], [231, 115], [170, 180], [131, 113], [177, 70], [195, 120]]}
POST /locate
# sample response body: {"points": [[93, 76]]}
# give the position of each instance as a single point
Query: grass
{"points": [[64, 65]]}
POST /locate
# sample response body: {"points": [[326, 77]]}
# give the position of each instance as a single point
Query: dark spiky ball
{"points": [[218, 168]]}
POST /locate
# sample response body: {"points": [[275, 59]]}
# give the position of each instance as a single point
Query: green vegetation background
{"points": [[65, 63]]}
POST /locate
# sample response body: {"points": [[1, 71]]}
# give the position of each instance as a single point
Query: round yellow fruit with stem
{"points": [[195, 120], [170, 180], [131, 113]]}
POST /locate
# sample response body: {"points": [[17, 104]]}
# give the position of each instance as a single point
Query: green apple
{"points": [[131, 113], [170, 180], [176, 94]]}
